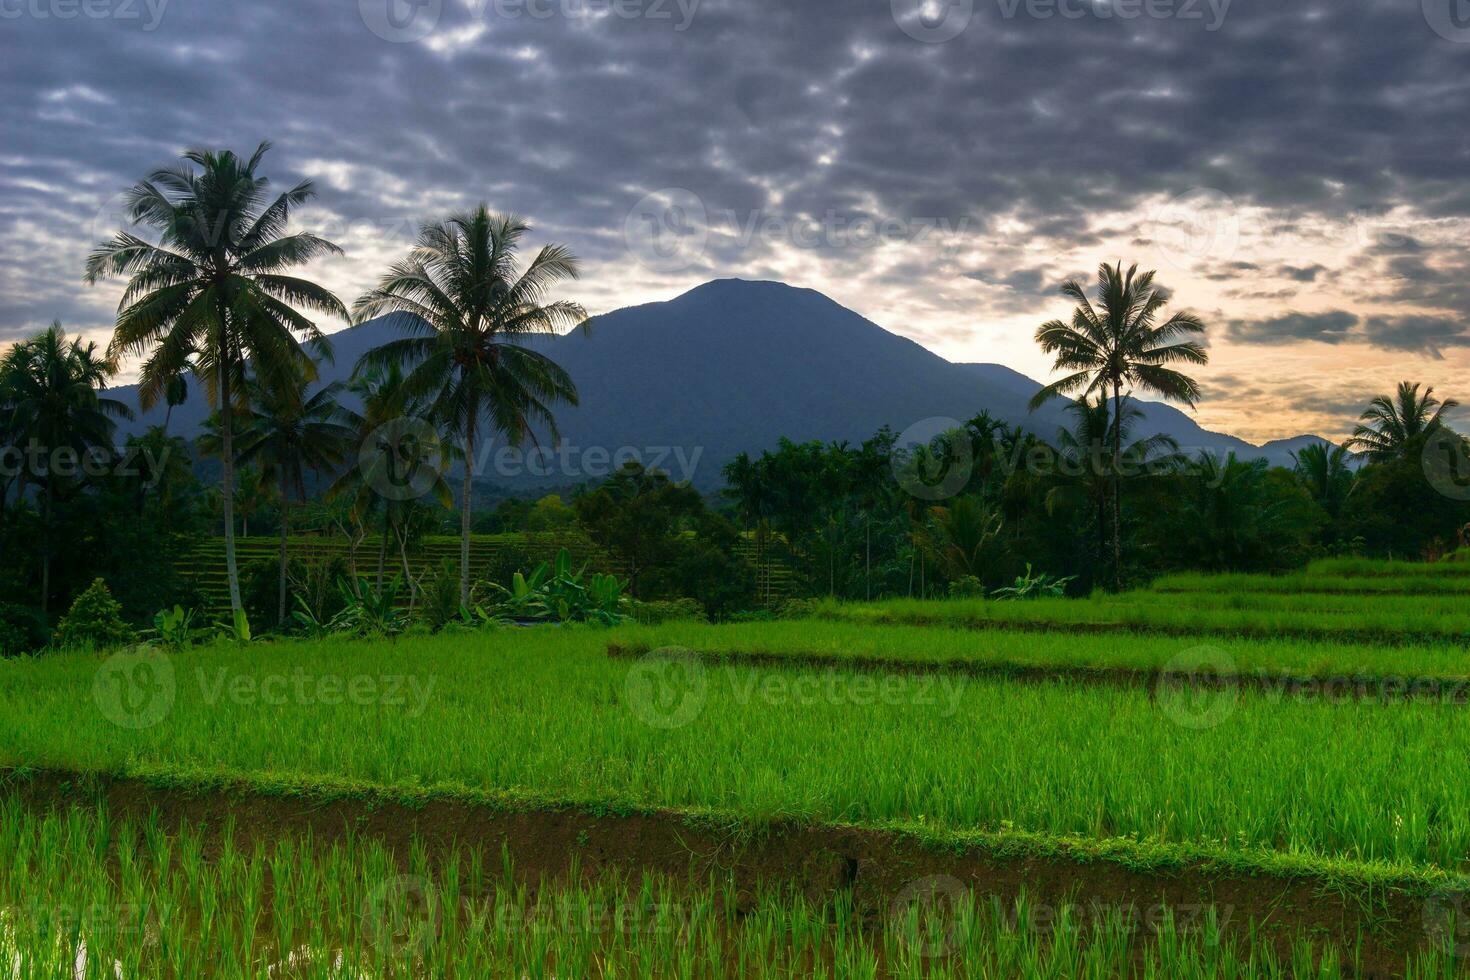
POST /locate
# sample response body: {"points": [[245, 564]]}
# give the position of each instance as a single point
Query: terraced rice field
{"points": [[856, 794]]}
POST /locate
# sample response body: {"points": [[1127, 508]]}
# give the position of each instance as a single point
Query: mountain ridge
{"points": [[734, 365]]}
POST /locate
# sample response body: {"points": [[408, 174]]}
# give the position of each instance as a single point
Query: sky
{"points": [[1294, 171]]}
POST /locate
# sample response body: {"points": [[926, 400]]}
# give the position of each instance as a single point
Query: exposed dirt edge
{"points": [[1379, 637], [882, 868], [1337, 688]]}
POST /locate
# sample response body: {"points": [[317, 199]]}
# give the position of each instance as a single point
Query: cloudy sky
{"points": [[1296, 171]]}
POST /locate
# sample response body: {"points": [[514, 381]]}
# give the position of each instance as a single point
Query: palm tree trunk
{"points": [[46, 546], [1117, 487], [227, 443], [466, 502], [383, 543], [285, 534]]}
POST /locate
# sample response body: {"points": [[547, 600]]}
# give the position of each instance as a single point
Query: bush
{"points": [[94, 620], [440, 596], [967, 587], [22, 630], [799, 608], [666, 611], [315, 583]]}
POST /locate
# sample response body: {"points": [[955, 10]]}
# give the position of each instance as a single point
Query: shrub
{"points": [[94, 620], [799, 608], [967, 587], [440, 596], [666, 611], [22, 630]]}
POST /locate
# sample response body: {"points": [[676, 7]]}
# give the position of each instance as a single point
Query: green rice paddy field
{"points": [[882, 789]]}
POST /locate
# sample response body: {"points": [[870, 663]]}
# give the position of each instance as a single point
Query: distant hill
{"points": [[733, 366]]}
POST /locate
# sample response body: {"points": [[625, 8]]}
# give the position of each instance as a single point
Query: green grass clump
{"points": [[545, 712], [83, 895]]}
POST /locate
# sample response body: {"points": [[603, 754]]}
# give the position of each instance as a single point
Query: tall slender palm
{"points": [[288, 435], [470, 308], [1391, 422], [213, 290], [1121, 339], [1323, 470], [52, 384]]}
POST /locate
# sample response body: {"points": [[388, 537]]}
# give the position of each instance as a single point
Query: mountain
{"points": [[734, 366]]}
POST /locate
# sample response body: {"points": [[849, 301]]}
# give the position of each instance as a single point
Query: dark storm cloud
{"points": [[1333, 327], [1423, 334], [760, 108]]}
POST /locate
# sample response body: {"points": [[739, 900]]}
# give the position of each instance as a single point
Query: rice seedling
{"points": [[546, 713], [84, 896]]}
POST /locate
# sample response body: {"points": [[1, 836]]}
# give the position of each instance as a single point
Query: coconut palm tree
{"points": [[1322, 469], [1121, 339], [1391, 422], [469, 308], [288, 434], [52, 404], [213, 291]]}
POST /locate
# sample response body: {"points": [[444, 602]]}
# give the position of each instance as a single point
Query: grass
{"points": [[1383, 619], [826, 640], [83, 895], [545, 712], [1312, 583]]}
